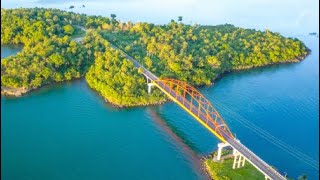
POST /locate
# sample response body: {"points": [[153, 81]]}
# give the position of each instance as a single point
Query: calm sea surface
{"points": [[67, 131]]}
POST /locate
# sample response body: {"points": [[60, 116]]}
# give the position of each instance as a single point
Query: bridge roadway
{"points": [[244, 151]]}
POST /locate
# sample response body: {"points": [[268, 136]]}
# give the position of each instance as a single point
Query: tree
{"points": [[196, 54], [106, 26], [213, 61], [68, 29], [113, 16], [113, 20]]}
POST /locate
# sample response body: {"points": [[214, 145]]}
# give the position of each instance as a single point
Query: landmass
{"points": [[314, 34], [61, 46], [222, 169]]}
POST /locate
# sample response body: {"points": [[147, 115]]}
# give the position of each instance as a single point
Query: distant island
{"points": [[198, 54], [314, 34], [72, 6]]}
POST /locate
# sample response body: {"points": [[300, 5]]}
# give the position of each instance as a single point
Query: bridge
{"points": [[193, 102]]}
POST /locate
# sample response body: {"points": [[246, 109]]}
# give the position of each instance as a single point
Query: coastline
{"points": [[297, 60], [222, 169], [204, 165], [120, 106], [21, 91]]}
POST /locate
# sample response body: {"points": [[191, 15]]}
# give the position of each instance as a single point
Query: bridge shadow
{"points": [[186, 146]]}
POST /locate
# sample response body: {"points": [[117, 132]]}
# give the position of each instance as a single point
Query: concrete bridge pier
{"points": [[220, 147], [150, 84], [238, 161]]}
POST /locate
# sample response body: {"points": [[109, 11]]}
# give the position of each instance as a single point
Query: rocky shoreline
{"points": [[204, 166], [14, 92]]}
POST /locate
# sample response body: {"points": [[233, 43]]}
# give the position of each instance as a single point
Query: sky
{"points": [[289, 17]]}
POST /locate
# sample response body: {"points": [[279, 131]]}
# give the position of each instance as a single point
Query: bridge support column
{"points": [[243, 161], [220, 147], [149, 82], [235, 160], [149, 87], [238, 161]]}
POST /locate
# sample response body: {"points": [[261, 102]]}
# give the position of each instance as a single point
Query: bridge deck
{"points": [[249, 155]]}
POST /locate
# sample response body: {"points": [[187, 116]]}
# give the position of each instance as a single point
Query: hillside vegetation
{"points": [[193, 53]]}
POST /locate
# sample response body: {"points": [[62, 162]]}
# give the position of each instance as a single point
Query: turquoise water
{"points": [[67, 131]]}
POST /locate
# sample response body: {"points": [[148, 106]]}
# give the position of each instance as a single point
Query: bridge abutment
{"points": [[220, 147], [239, 159]]}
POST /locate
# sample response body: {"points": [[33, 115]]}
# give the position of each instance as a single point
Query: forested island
{"points": [[195, 53]]}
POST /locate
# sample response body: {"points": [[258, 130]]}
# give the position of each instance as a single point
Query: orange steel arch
{"points": [[196, 104]]}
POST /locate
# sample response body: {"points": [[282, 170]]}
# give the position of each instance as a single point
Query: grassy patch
{"points": [[223, 170]]}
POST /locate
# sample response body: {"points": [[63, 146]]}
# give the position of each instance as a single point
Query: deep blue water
{"points": [[281, 99]]}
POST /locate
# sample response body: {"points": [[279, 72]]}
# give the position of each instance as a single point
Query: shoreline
{"points": [[21, 91], [222, 74], [119, 106], [204, 166], [220, 169]]}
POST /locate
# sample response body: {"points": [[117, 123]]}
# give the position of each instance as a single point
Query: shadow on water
{"points": [[178, 132], [179, 139]]}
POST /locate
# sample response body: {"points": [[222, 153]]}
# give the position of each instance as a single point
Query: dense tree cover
{"points": [[26, 25], [49, 53], [196, 54], [36, 24], [51, 60], [116, 78]]}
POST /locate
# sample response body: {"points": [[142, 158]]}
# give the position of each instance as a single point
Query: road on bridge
{"points": [[249, 155]]}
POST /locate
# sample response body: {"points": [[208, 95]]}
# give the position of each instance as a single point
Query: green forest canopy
{"points": [[193, 53]]}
